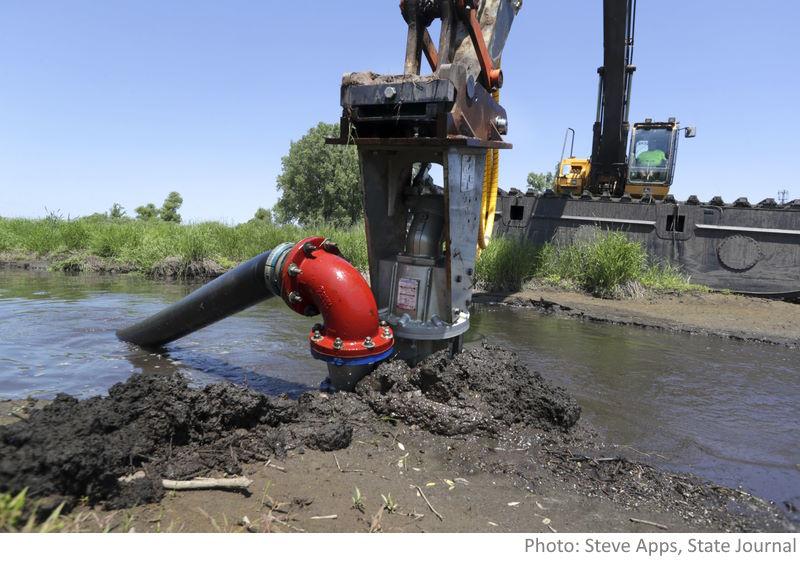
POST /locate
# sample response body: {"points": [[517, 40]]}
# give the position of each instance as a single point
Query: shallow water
{"points": [[724, 410]]}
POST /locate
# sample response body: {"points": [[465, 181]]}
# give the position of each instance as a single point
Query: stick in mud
{"points": [[439, 516], [339, 467], [648, 523], [272, 465], [200, 484]]}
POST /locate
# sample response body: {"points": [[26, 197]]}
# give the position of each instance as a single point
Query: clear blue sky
{"points": [[125, 100]]}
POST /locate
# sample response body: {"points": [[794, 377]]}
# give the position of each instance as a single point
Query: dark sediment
{"points": [[79, 449], [73, 449], [480, 390]]}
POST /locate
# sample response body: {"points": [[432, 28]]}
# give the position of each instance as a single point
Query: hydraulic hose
{"points": [[242, 287], [491, 183]]}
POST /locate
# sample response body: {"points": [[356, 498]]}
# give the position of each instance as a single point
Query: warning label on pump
{"points": [[407, 290]]}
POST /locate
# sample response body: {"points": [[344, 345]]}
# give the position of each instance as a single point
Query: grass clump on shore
{"points": [[146, 246], [607, 264], [506, 265]]}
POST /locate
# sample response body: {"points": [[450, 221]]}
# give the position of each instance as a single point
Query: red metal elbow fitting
{"points": [[316, 279]]}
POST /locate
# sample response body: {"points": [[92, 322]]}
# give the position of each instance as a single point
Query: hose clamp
{"points": [[274, 266]]}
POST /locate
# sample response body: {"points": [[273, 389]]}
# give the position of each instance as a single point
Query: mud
{"points": [[735, 317], [169, 269], [481, 390], [369, 78], [176, 268], [74, 449], [494, 446]]}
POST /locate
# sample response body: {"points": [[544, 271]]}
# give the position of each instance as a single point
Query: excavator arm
{"points": [[611, 127]]}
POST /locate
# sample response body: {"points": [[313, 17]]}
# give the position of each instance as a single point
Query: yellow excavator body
{"points": [[573, 176]]}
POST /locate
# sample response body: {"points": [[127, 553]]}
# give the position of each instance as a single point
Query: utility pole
{"points": [[783, 196]]}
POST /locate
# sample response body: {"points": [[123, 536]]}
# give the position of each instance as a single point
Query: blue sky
{"points": [[125, 100]]}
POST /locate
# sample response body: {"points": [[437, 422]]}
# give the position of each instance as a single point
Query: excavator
{"points": [[737, 246], [422, 239], [649, 168]]}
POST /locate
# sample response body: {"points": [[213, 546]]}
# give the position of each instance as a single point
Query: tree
{"points": [[263, 215], [117, 211], [147, 212], [319, 182], [169, 209], [540, 181]]}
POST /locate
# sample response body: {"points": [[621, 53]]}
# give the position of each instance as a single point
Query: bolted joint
{"points": [[294, 270], [338, 343], [368, 343], [330, 246], [501, 124], [294, 297], [309, 248], [317, 335]]}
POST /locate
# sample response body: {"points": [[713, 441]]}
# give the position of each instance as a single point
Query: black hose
{"points": [[242, 287]]}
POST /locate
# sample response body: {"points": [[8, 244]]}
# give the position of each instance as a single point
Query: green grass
{"points": [[506, 265], [604, 264], [13, 518], [143, 244], [607, 265]]}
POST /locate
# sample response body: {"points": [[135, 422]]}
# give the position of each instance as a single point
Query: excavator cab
{"points": [[651, 162]]}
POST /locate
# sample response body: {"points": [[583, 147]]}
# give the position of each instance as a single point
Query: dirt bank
{"points": [[171, 268], [716, 314], [473, 444]]}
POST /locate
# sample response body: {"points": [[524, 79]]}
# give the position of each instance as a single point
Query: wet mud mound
{"points": [[483, 390], [158, 426], [73, 449]]}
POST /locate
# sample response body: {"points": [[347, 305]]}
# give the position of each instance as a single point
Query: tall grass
{"points": [[601, 264], [506, 265], [606, 265], [143, 244]]}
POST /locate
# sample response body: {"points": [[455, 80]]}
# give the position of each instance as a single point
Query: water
{"points": [[721, 409], [724, 410], [57, 335]]}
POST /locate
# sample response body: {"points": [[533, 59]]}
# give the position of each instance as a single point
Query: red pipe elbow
{"points": [[316, 279]]}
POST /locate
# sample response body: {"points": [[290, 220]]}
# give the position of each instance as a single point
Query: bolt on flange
{"points": [[309, 248]]}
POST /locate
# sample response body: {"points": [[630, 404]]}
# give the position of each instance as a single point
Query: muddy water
{"points": [[723, 410]]}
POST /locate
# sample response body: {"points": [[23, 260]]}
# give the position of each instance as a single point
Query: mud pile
{"points": [[483, 390], [73, 449], [159, 425]]}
